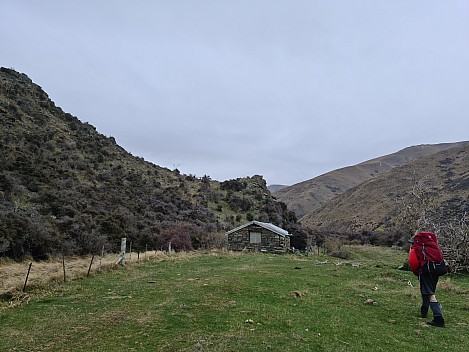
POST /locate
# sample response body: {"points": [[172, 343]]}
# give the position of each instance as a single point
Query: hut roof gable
{"points": [[268, 226]]}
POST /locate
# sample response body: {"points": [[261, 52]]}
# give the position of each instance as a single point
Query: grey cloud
{"points": [[284, 89]]}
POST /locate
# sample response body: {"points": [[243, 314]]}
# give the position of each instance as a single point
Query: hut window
{"points": [[255, 237]]}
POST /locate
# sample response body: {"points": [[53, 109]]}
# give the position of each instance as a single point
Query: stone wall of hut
{"points": [[270, 241]]}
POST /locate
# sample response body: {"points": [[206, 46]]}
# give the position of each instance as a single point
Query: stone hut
{"points": [[258, 236]]}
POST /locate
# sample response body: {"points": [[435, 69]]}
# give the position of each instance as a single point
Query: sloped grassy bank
{"points": [[231, 301]]}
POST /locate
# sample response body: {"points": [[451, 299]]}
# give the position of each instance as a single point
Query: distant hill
{"points": [[381, 203], [307, 196], [276, 188], [66, 188]]}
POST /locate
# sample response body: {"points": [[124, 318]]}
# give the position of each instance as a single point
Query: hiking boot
{"points": [[424, 311], [437, 321]]}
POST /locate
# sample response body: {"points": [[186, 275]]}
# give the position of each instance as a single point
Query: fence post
{"points": [[88, 274], [27, 275], [63, 265], [121, 259]]}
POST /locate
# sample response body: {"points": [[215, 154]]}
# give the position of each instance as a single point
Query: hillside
{"points": [[381, 203], [66, 188], [305, 197]]}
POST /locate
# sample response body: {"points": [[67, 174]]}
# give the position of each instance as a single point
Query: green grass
{"points": [[242, 302]]}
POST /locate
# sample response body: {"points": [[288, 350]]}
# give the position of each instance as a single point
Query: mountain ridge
{"points": [[307, 196], [382, 203]]}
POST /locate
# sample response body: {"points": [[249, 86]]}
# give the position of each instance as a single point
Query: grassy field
{"points": [[241, 302]]}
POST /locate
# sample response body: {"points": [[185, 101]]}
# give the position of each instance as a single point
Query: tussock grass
{"points": [[49, 273], [448, 285], [221, 301]]}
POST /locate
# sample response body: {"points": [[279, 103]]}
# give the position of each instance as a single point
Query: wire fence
{"points": [[26, 275]]}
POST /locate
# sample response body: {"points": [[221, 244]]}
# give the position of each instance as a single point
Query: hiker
{"points": [[426, 262]]}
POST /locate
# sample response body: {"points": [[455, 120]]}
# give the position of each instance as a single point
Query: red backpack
{"points": [[427, 248]]}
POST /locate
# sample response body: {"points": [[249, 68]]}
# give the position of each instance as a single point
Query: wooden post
{"points": [[27, 275], [130, 250], [169, 248], [121, 259], [146, 249], [138, 256], [63, 265], [123, 248], [88, 274]]}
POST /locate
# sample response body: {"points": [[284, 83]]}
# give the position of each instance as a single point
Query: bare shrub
{"points": [[332, 244], [454, 239], [212, 240], [422, 214]]}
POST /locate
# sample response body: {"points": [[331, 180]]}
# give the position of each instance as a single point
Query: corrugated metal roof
{"points": [[265, 225]]}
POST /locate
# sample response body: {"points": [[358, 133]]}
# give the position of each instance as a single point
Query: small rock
{"points": [[298, 294], [370, 301]]}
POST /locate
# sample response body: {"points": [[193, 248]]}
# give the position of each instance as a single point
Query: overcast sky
{"points": [[231, 88]]}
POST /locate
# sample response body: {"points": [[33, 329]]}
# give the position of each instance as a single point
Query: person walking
{"points": [[426, 262]]}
